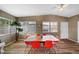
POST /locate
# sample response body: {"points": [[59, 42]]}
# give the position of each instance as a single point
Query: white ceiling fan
{"points": [[60, 7]]}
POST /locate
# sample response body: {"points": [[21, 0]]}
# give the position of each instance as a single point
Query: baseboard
{"points": [[64, 38], [69, 39], [73, 40], [10, 43]]}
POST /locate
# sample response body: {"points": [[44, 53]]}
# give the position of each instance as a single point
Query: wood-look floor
{"points": [[62, 47]]}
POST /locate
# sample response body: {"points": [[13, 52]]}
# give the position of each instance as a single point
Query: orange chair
{"points": [[48, 44], [35, 44]]}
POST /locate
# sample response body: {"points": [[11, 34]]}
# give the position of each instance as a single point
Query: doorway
{"points": [[64, 30]]}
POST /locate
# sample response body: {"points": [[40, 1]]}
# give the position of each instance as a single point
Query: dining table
{"points": [[42, 38]]}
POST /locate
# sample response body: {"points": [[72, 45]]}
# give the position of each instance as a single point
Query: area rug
{"points": [[41, 50]]}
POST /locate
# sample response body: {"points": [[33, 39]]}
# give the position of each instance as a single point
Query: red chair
{"points": [[35, 44], [27, 43], [48, 44], [25, 37], [38, 35], [44, 34]]}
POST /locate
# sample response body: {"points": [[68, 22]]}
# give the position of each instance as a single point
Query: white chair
{"points": [[2, 47]]}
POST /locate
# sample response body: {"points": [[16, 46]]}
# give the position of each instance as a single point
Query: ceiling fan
{"points": [[60, 7]]}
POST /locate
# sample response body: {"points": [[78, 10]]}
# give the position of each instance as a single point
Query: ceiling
{"points": [[20, 10]]}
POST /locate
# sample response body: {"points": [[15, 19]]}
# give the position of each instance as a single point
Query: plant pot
{"points": [[17, 36]]}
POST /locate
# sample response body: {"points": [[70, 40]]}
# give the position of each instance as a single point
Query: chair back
{"points": [[27, 42], [35, 44], [48, 44]]}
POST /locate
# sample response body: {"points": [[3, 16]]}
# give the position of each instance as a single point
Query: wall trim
{"points": [[73, 40], [10, 43]]}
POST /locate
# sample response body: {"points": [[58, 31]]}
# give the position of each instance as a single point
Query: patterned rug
{"points": [[41, 50]]}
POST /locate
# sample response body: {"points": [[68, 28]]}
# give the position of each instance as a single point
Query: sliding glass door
{"points": [[64, 30]]}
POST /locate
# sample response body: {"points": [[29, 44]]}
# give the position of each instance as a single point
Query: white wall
{"points": [[64, 30]]}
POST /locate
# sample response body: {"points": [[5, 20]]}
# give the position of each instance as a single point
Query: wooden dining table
{"points": [[42, 39]]}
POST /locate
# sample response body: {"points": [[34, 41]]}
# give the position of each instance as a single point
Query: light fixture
{"points": [[61, 7]]}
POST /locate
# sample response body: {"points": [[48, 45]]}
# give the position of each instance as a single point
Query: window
{"points": [[12, 29], [5, 27], [54, 26], [46, 26], [50, 26], [32, 26], [29, 26]]}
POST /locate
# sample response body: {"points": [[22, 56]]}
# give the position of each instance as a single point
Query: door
{"points": [[64, 30], [78, 32]]}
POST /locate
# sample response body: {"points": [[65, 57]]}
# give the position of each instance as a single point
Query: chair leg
{"points": [[29, 51], [52, 51], [25, 49]]}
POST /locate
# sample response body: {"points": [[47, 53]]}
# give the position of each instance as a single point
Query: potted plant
{"points": [[17, 25]]}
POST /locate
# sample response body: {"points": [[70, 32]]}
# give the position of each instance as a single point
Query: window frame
{"points": [[50, 26]]}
